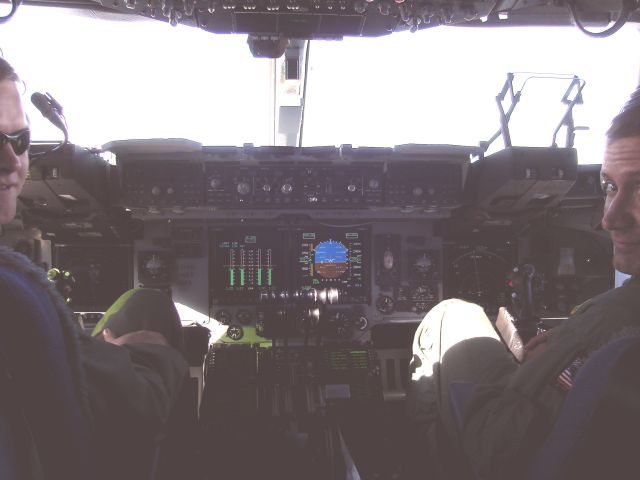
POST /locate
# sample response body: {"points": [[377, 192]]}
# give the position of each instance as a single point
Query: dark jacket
{"points": [[126, 392]]}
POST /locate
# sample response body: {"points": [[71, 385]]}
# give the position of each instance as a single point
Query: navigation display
{"points": [[335, 258], [245, 263]]}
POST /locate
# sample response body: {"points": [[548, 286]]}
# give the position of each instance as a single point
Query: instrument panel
{"points": [[320, 242], [309, 278], [266, 281], [288, 178]]}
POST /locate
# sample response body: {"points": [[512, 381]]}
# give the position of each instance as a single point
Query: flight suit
{"points": [[126, 392], [132, 388], [513, 407]]}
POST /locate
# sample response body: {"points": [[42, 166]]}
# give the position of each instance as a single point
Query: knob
{"points": [[328, 295], [351, 188], [170, 191], [266, 188], [223, 317], [374, 183], [244, 316], [215, 183], [286, 188], [156, 191], [361, 323], [417, 191], [243, 188], [385, 304]]}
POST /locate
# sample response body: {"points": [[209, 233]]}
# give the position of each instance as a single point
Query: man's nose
{"points": [[618, 213], [9, 161]]}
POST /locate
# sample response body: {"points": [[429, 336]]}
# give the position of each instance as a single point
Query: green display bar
{"points": [[242, 277], [269, 273], [231, 277], [259, 277]]}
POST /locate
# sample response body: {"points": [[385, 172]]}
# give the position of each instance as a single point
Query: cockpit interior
{"points": [[302, 252]]}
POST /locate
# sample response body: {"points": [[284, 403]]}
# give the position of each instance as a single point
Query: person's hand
{"points": [[139, 336], [536, 345]]}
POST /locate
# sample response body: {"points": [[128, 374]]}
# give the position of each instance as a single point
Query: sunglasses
{"points": [[20, 140]]}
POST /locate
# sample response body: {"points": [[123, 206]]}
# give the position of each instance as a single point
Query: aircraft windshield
{"points": [[145, 79]]}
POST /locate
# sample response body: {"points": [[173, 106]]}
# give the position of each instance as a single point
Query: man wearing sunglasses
{"points": [[127, 380], [14, 143]]}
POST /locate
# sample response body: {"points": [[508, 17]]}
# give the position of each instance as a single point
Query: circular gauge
{"points": [[385, 304], [235, 332], [155, 265], [479, 276], [331, 259], [244, 316], [424, 265], [361, 323]]}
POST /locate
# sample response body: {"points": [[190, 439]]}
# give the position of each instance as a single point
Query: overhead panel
{"points": [[307, 18]]}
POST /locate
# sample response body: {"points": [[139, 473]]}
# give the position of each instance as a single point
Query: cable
{"points": [[14, 7], [52, 111], [628, 6], [35, 157]]}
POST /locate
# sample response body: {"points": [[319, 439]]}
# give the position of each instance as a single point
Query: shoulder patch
{"points": [[564, 381]]}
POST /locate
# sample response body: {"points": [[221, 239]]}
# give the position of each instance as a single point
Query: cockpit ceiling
{"points": [[266, 20]]}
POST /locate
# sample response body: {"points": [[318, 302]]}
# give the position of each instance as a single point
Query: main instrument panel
{"points": [[319, 243], [297, 278]]}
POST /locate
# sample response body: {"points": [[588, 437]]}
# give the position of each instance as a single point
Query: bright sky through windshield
{"points": [[439, 86], [139, 79], [145, 79]]}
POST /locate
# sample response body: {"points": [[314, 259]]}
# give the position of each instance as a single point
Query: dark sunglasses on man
{"points": [[19, 140]]}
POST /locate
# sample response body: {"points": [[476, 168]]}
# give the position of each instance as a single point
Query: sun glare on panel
{"points": [[189, 315]]}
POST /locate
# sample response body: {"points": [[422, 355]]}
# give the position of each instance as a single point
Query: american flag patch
{"points": [[565, 380]]}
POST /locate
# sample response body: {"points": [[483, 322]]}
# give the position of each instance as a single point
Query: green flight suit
{"points": [[513, 406]]}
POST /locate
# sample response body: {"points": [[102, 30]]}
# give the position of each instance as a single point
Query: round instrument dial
{"points": [[479, 276], [235, 332]]}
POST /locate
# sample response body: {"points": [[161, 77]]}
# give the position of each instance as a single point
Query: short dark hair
{"points": [[627, 122], [7, 72]]}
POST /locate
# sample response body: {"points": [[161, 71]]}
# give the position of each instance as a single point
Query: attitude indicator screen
{"points": [[335, 258], [244, 264]]}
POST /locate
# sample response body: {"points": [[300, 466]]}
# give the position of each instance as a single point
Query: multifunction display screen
{"points": [[246, 263], [334, 258]]}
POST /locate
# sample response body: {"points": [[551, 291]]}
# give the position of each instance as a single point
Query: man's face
{"points": [[13, 168], [621, 183]]}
